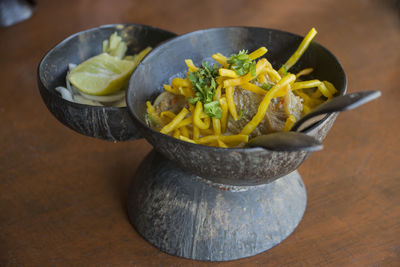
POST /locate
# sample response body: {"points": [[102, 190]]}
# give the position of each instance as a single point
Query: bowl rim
{"points": [[67, 39], [233, 149]]}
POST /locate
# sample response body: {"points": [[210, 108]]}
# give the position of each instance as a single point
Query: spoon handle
{"points": [[286, 142], [339, 103]]}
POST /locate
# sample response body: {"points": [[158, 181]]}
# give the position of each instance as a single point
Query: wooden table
{"points": [[62, 195]]}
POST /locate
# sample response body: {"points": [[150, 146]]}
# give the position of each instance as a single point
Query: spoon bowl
{"points": [[336, 104]]}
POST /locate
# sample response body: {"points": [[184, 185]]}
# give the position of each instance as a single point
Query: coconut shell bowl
{"points": [[107, 123], [189, 200]]}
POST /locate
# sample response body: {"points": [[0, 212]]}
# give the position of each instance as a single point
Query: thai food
{"points": [[239, 98], [101, 80]]}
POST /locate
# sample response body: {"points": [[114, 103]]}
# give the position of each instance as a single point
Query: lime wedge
{"points": [[101, 75]]}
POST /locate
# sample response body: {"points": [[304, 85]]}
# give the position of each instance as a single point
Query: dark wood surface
{"points": [[62, 195]]}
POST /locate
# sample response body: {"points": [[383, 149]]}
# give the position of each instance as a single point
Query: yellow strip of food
{"points": [[224, 118], [258, 53], [289, 123], [306, 84], [273, 75], [317, 94], [330, 87], [190, 65], [237, 138], [253, 88], [167, 114], [196, 117], [223, 138], [221, 59], [304, 72], [322, 88], [174, 123], [185, 122], [217, 95], [184, 131], [179, 82], [216, 126], [228, 73], [196, 132], [176, 133], [248, 77], [231, 102], [261, 78], [299, 52], [171, 90], [222, 144], [262, 108], [184, 138]]}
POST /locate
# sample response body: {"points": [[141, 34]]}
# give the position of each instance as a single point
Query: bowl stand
{"points": [[187, 216]]}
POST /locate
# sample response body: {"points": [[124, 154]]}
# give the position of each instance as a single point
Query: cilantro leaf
{"points": [[284, 70], [153, 121], [266, 86], [204, 86], [213, 109], [242, 64]]}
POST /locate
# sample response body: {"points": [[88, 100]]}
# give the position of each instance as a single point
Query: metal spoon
{"points": [[299, 141], [336, 104], [286, 141]]}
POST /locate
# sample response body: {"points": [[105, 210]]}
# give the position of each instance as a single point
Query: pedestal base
{"points": [[183, 215]]}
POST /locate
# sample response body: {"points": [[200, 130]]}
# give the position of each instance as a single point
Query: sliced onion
{"points": [[160, 97], [106, 98], [81, 100], [65, 93]]}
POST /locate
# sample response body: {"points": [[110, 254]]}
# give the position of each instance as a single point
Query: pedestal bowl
{"points": [[210, 203], [108, 123]]}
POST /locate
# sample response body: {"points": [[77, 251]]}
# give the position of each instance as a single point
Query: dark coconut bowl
{"points": [[108, 123], [230, 166]]}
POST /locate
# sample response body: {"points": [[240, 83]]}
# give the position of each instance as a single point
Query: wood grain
{"points": [[62, 195]]}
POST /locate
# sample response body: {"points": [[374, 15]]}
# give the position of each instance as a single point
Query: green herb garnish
{"points": [[266, 86], [204, 86], [242, 64], [213, 109], [284, 70], [153, 121]]}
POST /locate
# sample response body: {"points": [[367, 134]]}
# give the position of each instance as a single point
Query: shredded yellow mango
{"points": [[216, 126], [221, 59], [258, 53], [228, 73], [193, 125], [248, 77], [186, 139], [324, 91], [231, 102], [174, 123], [222, 144], [306, 84], [184, 131], [262, 109], [289, 123], [196, 117], [304, 72], [253, 88], [224, 107], [330, 87], [191, 65], [177, 133], [299, 52]]}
